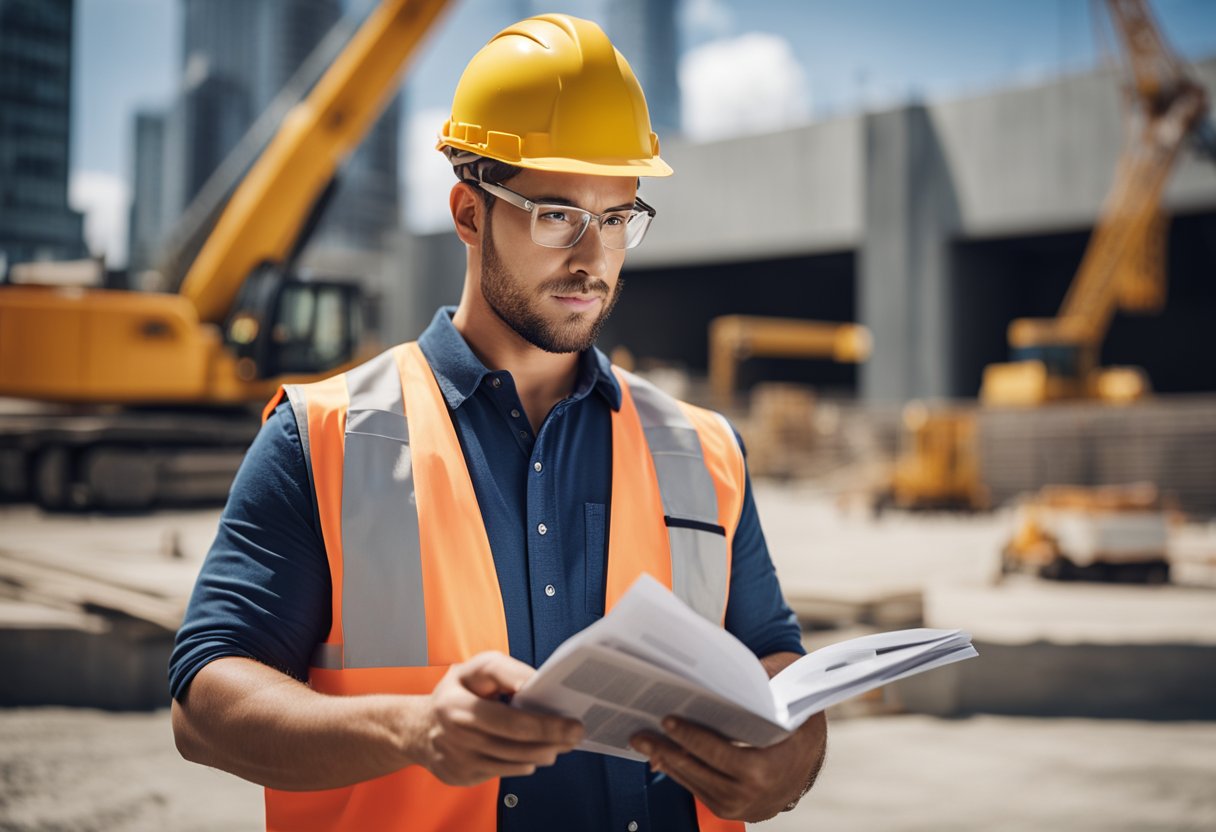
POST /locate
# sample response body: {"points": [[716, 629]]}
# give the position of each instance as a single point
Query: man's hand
{"points": [[471, 736], [733, 781]]}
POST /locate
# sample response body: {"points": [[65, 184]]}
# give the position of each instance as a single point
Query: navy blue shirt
{"points": [[264, 589]]}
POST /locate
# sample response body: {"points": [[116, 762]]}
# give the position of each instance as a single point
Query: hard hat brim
{"points": [[654, 166]]}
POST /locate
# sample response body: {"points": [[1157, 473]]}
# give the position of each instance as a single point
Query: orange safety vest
{"points": [[415, 590]]}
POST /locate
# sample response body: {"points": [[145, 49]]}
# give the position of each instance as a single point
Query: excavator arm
{"points": [[263, 221]]}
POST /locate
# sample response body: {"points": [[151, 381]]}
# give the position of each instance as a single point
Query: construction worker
{"points": [[407, 541]]}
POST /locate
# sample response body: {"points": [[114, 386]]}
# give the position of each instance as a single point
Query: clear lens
{"points": [[561, 226], [558, 226], [635, 229]]}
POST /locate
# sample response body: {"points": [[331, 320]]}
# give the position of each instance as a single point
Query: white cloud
{"points": [[104, 199], [428, 176], [749, 84], [707, 18]]}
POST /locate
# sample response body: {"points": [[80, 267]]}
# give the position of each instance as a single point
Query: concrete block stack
{"points": [[1168, 441]]}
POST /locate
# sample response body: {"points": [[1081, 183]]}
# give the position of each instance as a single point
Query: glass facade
{"points": [[35, 106], [236, 58], [645, 33]]}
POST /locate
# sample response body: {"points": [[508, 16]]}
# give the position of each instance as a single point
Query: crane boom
{"points": [[263, 219], [1156, 68], [1124, 263]]}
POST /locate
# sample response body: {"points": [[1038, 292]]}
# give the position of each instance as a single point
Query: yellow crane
{"points": [[240, 325], [1123, 267]]}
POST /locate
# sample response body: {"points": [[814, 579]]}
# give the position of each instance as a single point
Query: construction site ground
{"points": [[78, 770], [1006, 741]]}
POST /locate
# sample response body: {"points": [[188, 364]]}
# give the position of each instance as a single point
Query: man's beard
{"points": [[514, 306]]}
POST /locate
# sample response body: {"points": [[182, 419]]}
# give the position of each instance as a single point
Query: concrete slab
{"points": [[83, 770], [1025, 610], [1046, 648], [17, 615], [837, 568], [120, 668]]}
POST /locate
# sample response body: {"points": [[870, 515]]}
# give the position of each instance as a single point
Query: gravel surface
{"points": [[92, 771]]}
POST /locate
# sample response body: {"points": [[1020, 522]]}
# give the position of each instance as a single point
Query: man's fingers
{"points": [[709, 746], [489, 674], [508, 751], [513, 724], [691, 773]]}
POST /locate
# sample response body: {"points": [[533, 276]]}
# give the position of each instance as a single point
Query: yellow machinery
{"points": [[241, 324], [735, 338], [1123, 268], [1106, 533], [1124, 263], [938, 467]]}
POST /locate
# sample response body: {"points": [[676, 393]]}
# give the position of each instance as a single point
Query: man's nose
{"points": [[588, 256]]}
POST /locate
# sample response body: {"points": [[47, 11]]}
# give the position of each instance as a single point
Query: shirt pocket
{"points": [[595, 561]]}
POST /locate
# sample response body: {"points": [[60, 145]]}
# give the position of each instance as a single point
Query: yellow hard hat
{"points": [[552, 93]]}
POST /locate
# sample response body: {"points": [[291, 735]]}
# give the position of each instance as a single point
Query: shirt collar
{"points": [[460, 372]]}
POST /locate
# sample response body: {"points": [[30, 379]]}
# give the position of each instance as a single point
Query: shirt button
{"points": [[633, 826], [550, 590], [542, 529], [496, 383], [523, 434], [536, 466], [510, 800], [514, 413]]}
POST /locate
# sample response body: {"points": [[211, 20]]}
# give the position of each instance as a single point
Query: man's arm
{"points": [[740, 782], [262, 602], [252, 721]]}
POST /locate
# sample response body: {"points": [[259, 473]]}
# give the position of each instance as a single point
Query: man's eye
{"points": [[555, 216], [616, 219]]}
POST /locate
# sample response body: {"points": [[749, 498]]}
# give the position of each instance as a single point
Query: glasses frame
{"points": [[523, 203]]}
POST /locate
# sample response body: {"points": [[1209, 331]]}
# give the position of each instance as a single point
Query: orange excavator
{"points": [[120, 398]]}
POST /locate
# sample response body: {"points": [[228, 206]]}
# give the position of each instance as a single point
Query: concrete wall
{"points": [[1043, 158], [757, 198], [1028, 160]]}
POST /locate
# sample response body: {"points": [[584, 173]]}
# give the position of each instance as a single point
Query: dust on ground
{"points": [[92, 771]]}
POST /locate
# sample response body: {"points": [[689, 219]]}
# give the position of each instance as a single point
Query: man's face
{"points": [[556, 299]]}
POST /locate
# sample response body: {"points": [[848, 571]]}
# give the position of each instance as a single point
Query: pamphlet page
{"points": [[652, 656]]}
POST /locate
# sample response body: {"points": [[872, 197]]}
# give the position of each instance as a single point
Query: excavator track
{"points": [[121, 460]]}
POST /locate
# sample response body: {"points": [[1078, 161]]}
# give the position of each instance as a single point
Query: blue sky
{"points": [[819, 58]]}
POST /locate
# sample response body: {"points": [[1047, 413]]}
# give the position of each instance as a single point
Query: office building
{"points": [[645, 33], [237, 57], [36, 222]]}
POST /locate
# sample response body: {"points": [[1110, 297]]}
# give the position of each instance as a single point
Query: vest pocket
{"points": [[595, 562]]}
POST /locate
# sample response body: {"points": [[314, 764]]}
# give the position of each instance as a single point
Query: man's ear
{"points": [[468, 213]]}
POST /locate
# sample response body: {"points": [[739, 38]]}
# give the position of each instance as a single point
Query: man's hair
{"points": [[469, 167]]}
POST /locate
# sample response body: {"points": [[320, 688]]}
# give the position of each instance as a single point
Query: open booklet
{"points": [[652, 656]]}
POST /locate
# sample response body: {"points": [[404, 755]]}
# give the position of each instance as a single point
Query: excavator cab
{"points": [[1047, 367], [283, 325]]}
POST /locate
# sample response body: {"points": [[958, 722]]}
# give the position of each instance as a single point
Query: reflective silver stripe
{"points": [[698, 570], [383, 612], [698, 557], [299, 407], [684, 481], [327, 656]]}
